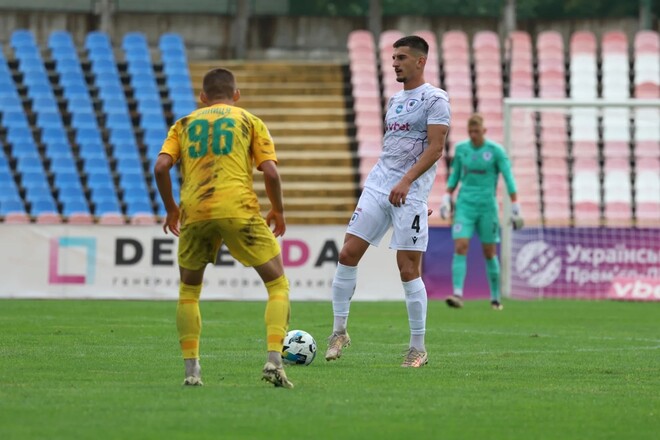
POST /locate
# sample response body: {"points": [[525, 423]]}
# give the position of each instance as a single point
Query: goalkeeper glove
{"points": [[516, 216], [445, 206]]}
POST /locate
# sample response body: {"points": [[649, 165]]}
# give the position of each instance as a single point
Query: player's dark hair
{"points": [[219, 84], [413, 42]]}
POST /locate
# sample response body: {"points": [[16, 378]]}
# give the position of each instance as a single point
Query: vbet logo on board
{"points": [[538, 264], [59, 275]]}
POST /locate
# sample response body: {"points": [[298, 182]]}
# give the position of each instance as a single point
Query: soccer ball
{"points": [[299, 348]]}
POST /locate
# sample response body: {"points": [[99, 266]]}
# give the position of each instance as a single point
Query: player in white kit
{"points": [[395, 195]]}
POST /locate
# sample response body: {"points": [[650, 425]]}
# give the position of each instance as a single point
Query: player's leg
{"points": [[193, 254], [260, 250], [488, 229], [367, 226], [410, 239], [462, 231], [493, 274]]}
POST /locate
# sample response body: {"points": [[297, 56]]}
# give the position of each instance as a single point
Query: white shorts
{"points": [[374, 215]]}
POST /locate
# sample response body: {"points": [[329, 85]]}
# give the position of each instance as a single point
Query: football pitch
{"points": [[537, 370]]}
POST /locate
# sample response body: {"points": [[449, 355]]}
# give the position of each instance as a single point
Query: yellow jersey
{"points": [[218, 146]]}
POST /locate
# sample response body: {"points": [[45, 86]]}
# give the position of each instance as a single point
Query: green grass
{"points": [[537, 370]]}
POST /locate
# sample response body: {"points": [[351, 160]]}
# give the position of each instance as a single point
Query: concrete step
{"points": [[314, 204], [284, 129], [286, 102], [313, 174], [294, 88], [268, 76], [302, 115], [310, 143], [333, 159], [313, 189], [239, 66], [306, 217]]}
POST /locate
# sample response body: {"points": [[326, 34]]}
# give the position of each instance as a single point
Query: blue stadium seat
{"points": [[97, 180], [101, 54], [64, 54], [85, 135], [115, 105], [18, 135], [137, 55], [42, 205], [122, 137], [67, 179], [127, 164], [107, 206], [26, 164], [84, 120], [53, 134], [25, 149], [96, 165], [73, 82], [106, 83], [45, 102], [143, 80], [28, 56], [33, 178], [58, 149], [47, 119], [115, 121], [138, 207], [150, 105], [8, 190], [132, 180], [9, 206], [182, 96], [91, 148], [71, 193], [174, 55], [141, 67], [41, 91], [59, 164], [103, 192], [31, 65], [70, 207], [80, 104], [176, 68], [180, 82], [68, 65], [153, 120], [155, 136], [60, 39], [170, 40], [37, 192], [105, 66], [97, 40], [15, 119], [22, 37], [133, 39], [75, 206], [126, 151], [182, 109]]}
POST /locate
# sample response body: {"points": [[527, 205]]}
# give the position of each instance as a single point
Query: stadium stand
{"points": [[80, 127]]}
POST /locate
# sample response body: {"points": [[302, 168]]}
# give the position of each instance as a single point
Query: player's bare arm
{"points": [[436, 136], [273, 185], [162, 168]]}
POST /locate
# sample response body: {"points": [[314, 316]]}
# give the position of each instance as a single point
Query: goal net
{"points": [[588, 176]]}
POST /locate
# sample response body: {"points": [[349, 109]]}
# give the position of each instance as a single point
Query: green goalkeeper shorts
{"points": [[485, 220]]}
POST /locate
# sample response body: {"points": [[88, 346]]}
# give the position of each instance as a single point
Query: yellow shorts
{"points": [[250, 242]]}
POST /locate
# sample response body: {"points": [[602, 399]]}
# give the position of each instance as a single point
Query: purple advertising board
{"points": [[595, 263], [585, 263], [437, 267]]}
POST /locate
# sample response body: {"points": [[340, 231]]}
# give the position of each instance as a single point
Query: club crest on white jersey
{"points": [[409, 112]]}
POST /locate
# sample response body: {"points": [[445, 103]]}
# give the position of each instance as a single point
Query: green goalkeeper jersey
{"points": [[478, 170]]}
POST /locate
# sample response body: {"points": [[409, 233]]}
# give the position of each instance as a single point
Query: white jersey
{"points": [[406, 138]]}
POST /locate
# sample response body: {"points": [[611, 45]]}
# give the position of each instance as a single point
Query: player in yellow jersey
{"points": [[217, 147]]}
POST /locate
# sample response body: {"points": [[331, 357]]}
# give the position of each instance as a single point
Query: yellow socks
{"points": [[189, 320], [277, 313]]}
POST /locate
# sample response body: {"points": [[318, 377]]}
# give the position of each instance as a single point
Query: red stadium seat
{"points": [[49, 218], [111, 219], [17, 218], [80, 218]]}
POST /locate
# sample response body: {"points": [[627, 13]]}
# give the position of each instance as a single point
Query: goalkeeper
{"points": [[477, 164]]}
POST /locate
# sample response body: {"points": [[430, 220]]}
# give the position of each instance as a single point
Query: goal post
{"points": [[593, 219]]}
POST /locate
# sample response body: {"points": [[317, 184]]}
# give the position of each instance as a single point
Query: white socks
{"points": [[416, 303], [343, 287]]}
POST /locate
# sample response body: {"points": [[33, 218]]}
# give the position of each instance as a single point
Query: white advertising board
{"points": [[139, 262]]}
